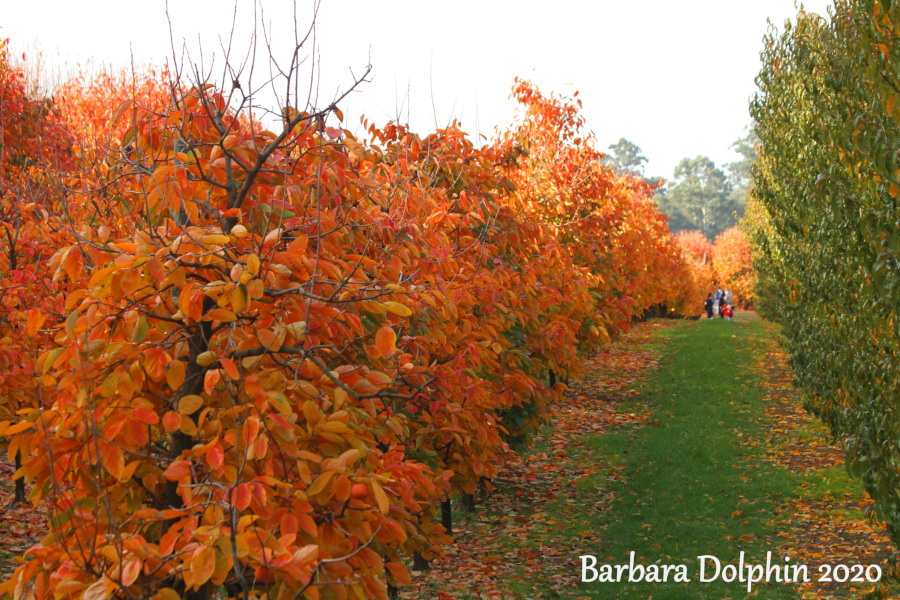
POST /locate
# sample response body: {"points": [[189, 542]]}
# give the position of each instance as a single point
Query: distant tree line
{"points": [[701, 196]]}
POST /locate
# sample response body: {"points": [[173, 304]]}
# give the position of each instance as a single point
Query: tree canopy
{"points": [[627, 158], [700, 198]]}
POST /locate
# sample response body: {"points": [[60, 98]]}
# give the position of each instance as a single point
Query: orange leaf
{"points": [[268, 339], [35, 320], [319, 484], [230, 368], [155, 268], [398, 572], [146, 415], [306, 555], [155, 362], [131, 571], [178, 469], [210, 380], [97, 590], [203, 565], [215, 456], [386, 342], [166, 594]]}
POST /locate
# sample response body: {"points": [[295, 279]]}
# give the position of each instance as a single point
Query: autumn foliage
{"points": [[697, 251], [733, 265], [258, 359]]}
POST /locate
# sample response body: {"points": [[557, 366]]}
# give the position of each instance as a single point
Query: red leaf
{"points": [[215, 456]]}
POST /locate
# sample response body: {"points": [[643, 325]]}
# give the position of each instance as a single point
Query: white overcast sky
{"points": [[672, 76]]}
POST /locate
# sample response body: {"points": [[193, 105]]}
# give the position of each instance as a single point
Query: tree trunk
{"points": [[393, 592], [193, 385], [419, 562], [179, 442], [468, 502], [202, 594], [447, 516], [552, 378]]}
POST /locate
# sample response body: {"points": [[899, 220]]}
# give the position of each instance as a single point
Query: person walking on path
{"points": [[728, 297], [716, 299], [708, 306]]}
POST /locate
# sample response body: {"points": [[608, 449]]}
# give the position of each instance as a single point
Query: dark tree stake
{"points": [[447, 516], [20, 496]]}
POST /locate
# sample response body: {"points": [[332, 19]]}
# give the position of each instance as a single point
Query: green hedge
{"points": [[825, 226]]}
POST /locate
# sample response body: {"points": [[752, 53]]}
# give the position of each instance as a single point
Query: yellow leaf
{"points": [[397, 308], [207, 358], [272, 237], [298, 330], [384, 505], [280, 402], [120, 110], [253, 264], [215, 238]]}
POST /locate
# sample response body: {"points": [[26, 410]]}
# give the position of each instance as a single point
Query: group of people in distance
{"points": [[719, 304]]}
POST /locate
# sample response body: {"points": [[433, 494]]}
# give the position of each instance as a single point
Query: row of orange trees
{"points": [[725, 264], [255, 360]]}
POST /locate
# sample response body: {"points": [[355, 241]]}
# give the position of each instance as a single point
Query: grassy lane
{"points": [[677, 445], [695, 486]]}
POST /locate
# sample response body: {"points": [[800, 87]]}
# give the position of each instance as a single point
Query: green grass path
{"points": [[696, 486]]}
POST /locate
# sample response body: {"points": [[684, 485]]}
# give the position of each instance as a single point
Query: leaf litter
{"points": [[825, 528], [21, 525], [510, 540]]}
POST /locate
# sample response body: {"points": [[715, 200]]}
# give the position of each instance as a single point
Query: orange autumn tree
{"points": [[193, 372], [612, 234], [733, 264], [698, 255], [482, 258]]}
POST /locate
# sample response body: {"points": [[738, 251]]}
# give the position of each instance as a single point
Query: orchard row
{"points": [[825, 226], [260, 359]]}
